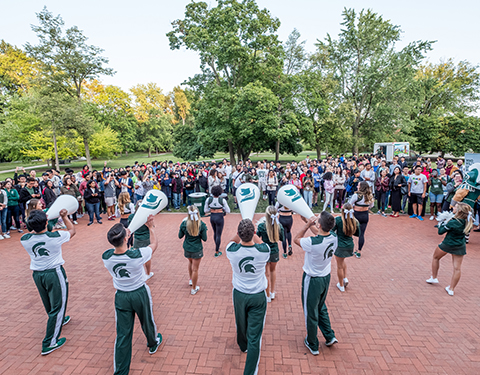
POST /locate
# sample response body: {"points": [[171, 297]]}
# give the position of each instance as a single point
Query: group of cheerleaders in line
{"points": [[277, 223]]}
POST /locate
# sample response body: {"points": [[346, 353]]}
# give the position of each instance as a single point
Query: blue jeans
{"points": [[137, 198], [93, 208], [177, 200], [308, 195], [13, 212], [188, 198], [3, 219]]}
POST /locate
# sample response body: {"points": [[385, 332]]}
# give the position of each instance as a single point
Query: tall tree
{"points": [[17, 70], [67, 61], [373, 74]]}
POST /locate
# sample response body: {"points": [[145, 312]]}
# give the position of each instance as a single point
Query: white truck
{"points": [[391, 149]]}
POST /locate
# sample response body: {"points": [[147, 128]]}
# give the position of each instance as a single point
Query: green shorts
{"points": [[343, 253], [459, 250], [197, 255], [274, 258]]}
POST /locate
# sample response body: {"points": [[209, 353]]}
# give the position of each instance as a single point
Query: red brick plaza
{"points": [[389, 321]]}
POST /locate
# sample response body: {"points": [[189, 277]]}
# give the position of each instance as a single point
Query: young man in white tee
{"points": [[248, 261], [133, 294], [45, 250], [316, 278], [417, 188]]}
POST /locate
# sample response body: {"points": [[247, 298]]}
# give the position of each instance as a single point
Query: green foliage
{"points": [[156, 132], [104, 142]]}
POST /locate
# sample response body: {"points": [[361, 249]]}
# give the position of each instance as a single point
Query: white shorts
{"points": [[110, 201]]}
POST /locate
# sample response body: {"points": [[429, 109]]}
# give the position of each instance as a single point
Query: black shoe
{"points": [[90, 223], [99, 222], [290, 251], [477, 230]]}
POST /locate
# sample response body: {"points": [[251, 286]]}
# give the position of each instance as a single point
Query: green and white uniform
{"points": [[345, 243], [316, 279], [454, 242], [192, 245], [45, 250], [249, 298], [141, 237], [262, 233], [132, 297]]}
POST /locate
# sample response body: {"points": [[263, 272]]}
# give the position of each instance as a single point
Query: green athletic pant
{"points": [[314, 293], [53, 288], [250, 310], [127, 304]]}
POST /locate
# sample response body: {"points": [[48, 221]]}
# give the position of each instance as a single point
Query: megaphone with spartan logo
{"points": [[290, 197], [153, 202], [247, 199]]}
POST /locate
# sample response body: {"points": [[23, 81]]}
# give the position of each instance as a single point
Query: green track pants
{"points": [[250, 310], [314, 293], [127, 304], [52, 286]]}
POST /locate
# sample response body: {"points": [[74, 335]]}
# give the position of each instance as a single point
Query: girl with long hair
{"points": [[218, 207], [362, 201], [454, 243], [346, 226], [195, 231], [286, 220], [270, 231], [124, 208], [329, 190]]}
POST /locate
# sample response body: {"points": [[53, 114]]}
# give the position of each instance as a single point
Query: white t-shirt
{"points": [[228, 171], [368, 174], [248, 266], [416, 183], [318, 254], [45, 249], [127, 269], [262, 174]]}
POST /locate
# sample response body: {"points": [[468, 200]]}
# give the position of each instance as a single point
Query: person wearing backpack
{"points": [[218, 207]]}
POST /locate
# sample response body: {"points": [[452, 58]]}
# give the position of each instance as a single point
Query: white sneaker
{"points": [[13, 228], [75, 222], [431, 280], [1, 237], [341, 288], [6, 235], [432, 217], [190, 282], [269, 299], [150, 276], [272, 295], [194, 291], [345, 282], [450, 292]]}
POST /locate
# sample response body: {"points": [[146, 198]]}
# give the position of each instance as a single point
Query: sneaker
{"points": [[190, 282], [1, 237], [384, 215], [450, 292], [290, 251], [99, 222], [218, 254], [6, 235], [13, 228], [149, 276], [432, 218], [169, 210], [194, 291], [272, 295], [431, 280], [314, 352], [48, 349], [413, 216], [285, 255], [154, 348], [341, 288], [90, 223], [20, 231], [420, 218], [331, 342], [358, 254], [379, 212], [66, 320], [75, 222], [345, 282], [269, 300]]}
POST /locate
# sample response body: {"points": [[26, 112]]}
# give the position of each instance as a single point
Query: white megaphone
{"points": [[68, 202], [247, 199], [289, 196], [153, 202]]}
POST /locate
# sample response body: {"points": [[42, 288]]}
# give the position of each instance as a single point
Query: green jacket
{"points": [[193, 244], [455, 236], [12, 197]]}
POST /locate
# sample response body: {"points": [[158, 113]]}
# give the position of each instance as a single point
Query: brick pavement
{"points": [[388, 322]]}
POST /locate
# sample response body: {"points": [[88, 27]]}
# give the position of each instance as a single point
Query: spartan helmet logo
{"points": [[151, 202], [292, 193], [473, 175], [39, 250], [247, 194], [120, 271], [246, 266], [328, 252]]}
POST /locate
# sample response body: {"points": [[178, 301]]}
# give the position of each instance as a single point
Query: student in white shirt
{"points": [[417, 188], [133, 296], [45, 250], [316, 278]]}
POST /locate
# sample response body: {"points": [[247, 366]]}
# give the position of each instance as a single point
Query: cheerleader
{"points": [[346, 226], [195, 231], [286, 220], [218, 207], [124, 208], [362, 201], [270, 231], [455, 227]]}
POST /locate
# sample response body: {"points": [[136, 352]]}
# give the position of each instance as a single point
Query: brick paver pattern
{"points": [[389, 321]]}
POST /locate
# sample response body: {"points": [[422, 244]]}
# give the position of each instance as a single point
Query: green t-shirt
{"points": [[142, 233], [344, 242], [262, 233], [193, 244], [436, 187]]}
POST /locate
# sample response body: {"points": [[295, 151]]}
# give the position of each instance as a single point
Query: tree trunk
{"points": [[149, 152], [87, 152], [55, 146], [355, 137], [277, 150], [232, 153], [326, 151], [319, 151]]}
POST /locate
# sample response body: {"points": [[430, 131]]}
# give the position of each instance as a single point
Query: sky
{"points": [[132, 33]]}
